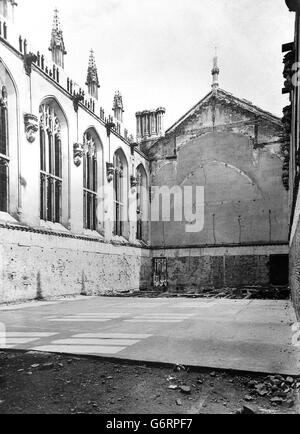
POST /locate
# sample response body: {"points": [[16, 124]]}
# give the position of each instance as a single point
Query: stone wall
{"points": [[195, 270], [295, 269], [236, 156], [39, 264]]}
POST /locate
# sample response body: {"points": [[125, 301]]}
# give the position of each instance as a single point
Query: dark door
{"points": [[279, 270]]}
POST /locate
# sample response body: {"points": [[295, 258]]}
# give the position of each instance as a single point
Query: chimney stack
{"points": [[150, 124]]}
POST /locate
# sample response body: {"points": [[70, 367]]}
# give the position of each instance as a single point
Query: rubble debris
{"points": [[173, 387], [170, 378], [245, 293], [46, 366], [276, 387], [186, 390], [277, 400], [246, 410], [290, 380], [179, 402], [178, 368]]}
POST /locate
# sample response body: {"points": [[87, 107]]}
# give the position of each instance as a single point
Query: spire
{"points": [[118, 107], [92, 80], [57, 45], [215, 72]]}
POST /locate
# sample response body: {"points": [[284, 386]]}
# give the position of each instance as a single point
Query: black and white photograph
{"points": [[149, 210]]}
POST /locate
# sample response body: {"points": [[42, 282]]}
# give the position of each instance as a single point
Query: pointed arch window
{"points": [[4, 151], [119, 205], [50, 164], [141, 201], [90, 194]]}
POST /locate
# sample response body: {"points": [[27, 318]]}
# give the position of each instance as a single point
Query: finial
{"points": [[92, 80], [56, 23], [118, 101], [215, 71], [118, 107], [57, 45], [92, 61]]}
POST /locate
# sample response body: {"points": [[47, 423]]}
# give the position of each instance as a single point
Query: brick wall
{"points": [[216, 272], [295, 269], [33, 264]]}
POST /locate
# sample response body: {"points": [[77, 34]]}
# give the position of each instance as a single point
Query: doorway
{"points": [[279, 270]]}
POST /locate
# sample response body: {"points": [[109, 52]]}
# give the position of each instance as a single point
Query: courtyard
{"points": [[255, 336]]}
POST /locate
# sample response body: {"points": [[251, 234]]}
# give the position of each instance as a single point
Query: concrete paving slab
{"points": [[241, 335]]}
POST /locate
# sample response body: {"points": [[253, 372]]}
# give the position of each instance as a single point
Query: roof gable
{"points": [[226, 97]]}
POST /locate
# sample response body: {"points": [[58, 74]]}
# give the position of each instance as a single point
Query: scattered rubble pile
{"points": [[250, 293], [46, 383], [279, 389], [276, 390]]}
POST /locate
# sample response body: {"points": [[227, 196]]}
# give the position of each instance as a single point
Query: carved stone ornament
{"points": [[133, 182], [110, 171], [288, 72], [31, 126], [77, 99], [133, 147], [109, 127], [3, 97], [29, 59], [77, 154]]}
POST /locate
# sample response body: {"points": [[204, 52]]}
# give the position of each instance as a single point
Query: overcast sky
{"points": [[159, 52]]}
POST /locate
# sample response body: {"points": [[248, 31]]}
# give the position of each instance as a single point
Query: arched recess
{"points": [[236, 210], [9, 144], [142, 201], [120, 194], [92, 180], [54, 157]]}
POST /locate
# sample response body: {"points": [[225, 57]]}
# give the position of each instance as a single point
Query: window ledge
{"points": [[92, 234], [119, 240], [7, 218], [53, 226], [141, 243]]}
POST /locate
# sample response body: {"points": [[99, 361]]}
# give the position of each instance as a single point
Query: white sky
{"points": [[159, 52]]}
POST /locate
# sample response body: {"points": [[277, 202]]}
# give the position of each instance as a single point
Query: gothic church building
{"points": [[70, 172]]}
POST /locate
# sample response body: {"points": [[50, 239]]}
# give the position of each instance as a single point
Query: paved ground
{"points": [[247, 335]]}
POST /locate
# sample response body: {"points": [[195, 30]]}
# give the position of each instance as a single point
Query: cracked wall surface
{"points": [[234, 152], [42, 265]]}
